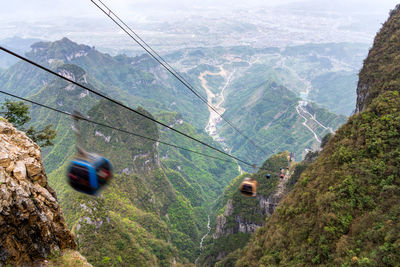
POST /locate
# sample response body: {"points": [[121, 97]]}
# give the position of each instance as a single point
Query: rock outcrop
{"points": [[266, 207], [31, 223]]}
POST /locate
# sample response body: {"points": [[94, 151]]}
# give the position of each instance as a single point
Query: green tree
{"points": [[17, 113]]}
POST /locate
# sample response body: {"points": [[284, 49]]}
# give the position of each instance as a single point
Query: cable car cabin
{"points": [[248, 187], [282, 174], [88, 175], [268, 176]]}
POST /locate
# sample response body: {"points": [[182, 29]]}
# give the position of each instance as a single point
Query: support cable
{"points": [[114, 128], [120, 104], [132, 34]]}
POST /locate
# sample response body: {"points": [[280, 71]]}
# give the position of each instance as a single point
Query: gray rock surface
{"points": [[31, 221]]}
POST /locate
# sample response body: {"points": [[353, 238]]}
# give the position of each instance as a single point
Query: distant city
{"points": [[168, 31]]}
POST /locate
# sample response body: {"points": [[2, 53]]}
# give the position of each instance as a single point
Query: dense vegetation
{"points": [[261, 89], [207, 178], [380, 71], [344, 210], [156, 210], [140, 217]]}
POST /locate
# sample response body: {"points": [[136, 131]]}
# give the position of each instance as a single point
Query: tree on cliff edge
{"points": [[17, 113]]}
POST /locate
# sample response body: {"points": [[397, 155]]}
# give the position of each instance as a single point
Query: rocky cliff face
{"points": [[265, 207], [31, 222]]}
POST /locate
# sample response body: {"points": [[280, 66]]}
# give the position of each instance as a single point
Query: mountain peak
{"points": [[65, 40], [64, 50]]}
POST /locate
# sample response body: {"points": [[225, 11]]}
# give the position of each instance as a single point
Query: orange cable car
{"points": [[248, 187]]}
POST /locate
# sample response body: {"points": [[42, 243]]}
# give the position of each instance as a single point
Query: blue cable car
{"points": [[89, 175], [87, 172]]}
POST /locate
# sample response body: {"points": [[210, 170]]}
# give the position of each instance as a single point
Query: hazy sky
{"points": [[42, 9], [172, 24], [39, 9]]}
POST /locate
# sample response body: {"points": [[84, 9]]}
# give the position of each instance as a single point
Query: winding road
{"points": [[300, 109], [214, 119]]}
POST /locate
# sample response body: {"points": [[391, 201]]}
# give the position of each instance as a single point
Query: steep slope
{"points": [[246, 85], [345, 208], [308, 69], [380, 72], [31, 221], [240, 216], [23, 78], [134, 80], [137, 219], [60, 94]]}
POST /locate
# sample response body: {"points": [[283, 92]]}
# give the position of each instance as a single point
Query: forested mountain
{"points": [[154, 203], [238, 216], [293, 104], [234, 79], [156, 209], [344, 210], [323, 73], [260, 90], [281, 120]]}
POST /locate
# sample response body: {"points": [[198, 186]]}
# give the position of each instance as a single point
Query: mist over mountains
{"points": [[177, 24]]}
